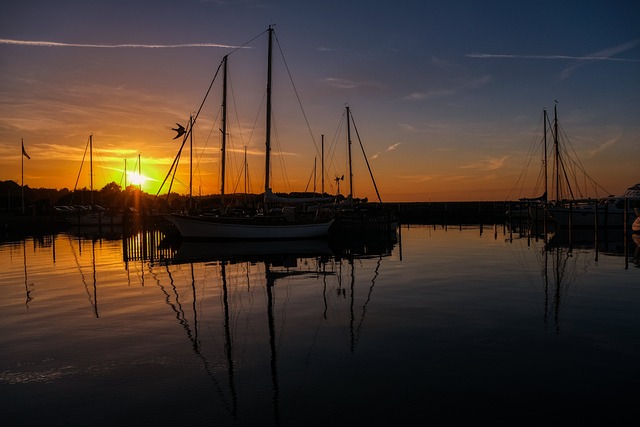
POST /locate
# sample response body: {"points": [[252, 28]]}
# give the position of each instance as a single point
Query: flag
{"points": [[24, 153]]}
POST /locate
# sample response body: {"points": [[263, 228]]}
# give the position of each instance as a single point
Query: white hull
{"points": [[249, 229]]}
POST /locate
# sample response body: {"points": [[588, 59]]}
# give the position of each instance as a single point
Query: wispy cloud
{"points": [[487, 163], [40, 43], [340, 83], [389, 148], [580, 61], [417, 178], [470, 84], [581, 58], [602, 147], [329, 49], [605, 55]]}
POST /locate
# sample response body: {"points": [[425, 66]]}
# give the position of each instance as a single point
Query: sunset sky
{"points": [[447, 96]]}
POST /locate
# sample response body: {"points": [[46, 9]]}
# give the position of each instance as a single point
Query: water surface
{"points": [[438, 324]]}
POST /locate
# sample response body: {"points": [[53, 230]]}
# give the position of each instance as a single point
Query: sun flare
{"points": [[136, 179]]}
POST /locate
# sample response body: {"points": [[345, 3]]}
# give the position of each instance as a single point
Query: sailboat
{"points": [[289, 224], [91, 215], [353, 215], [609, 212]]}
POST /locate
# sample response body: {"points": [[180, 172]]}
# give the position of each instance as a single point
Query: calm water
{"points": [[439, 325]]}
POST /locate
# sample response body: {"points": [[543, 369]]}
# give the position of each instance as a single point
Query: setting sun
{"points": [[136, 179]]}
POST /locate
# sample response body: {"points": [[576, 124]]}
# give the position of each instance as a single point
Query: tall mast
{"points": [[190, 163], [268, 119], [557, 151], [139, 173], [544, 160], [246, 174], [349, 147], [224, 132], [22, 182], [322, 166], [91, 167]]}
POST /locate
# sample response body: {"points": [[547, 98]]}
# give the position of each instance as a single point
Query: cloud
{"points": [[487, 163], [389, 148], [348, 84], [112, 46], [340, 83], [417, 178], [581, 58], [603, 55], [470, 84], [602, 147], [329, 49]]}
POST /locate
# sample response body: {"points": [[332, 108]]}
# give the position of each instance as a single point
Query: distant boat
{"points": [[608, 212], [92, 214], [267, 225], [568, 211]]}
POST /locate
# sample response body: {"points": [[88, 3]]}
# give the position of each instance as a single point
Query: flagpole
{"points": [[22, 183]]}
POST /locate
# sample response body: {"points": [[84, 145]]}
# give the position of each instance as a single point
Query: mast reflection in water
{"points": [[440, 323]]}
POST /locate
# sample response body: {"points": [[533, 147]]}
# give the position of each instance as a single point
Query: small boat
{"points": [[265, 225]]}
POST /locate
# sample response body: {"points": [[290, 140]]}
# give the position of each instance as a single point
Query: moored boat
{"points": [[264, 226]]}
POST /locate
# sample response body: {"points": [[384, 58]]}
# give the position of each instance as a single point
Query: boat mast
{"points": [[268, 119], [91, 167], [246, 174], [557, 151], [544, 160], [224, 132], [322, 166], [190, 164], [139, 173], [349, 147]]}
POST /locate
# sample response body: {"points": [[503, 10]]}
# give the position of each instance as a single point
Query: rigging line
{"points": [[186, 135], [528, 159], [283, 166], [365, 158], [189, 130], [333, 148], [197, 351], [80, 171], [295, 90], [174, 165], [310, 177], [366, 303], [240, 170], [577, 160]]}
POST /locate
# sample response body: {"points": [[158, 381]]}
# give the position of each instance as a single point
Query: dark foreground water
{"points": [[437, 326]]}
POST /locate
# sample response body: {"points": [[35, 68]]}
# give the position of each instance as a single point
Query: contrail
{"points": [[580, 58], [603, 55], [112, 46]]}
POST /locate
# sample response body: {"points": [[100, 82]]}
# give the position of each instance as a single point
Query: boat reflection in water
{"points": [[245, 272], [599, 241], [569, 253], [150, 330]]}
